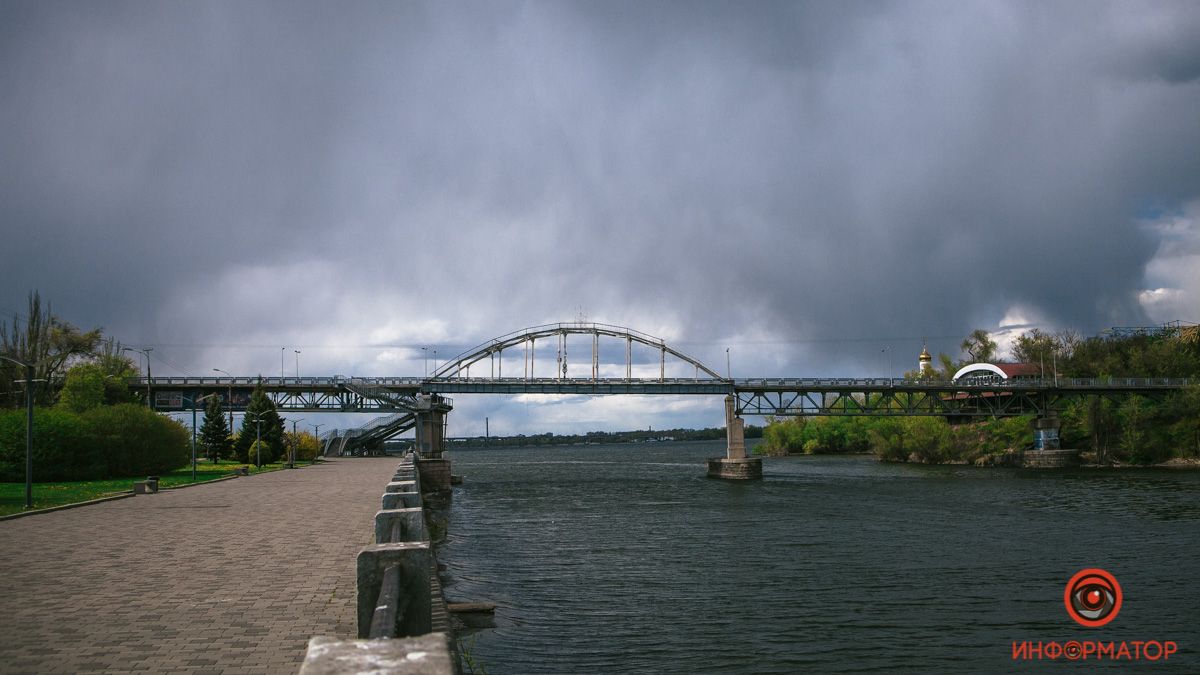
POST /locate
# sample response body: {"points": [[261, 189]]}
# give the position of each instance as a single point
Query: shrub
{"points": [[62, 448], [134, 440], [261, 452]]}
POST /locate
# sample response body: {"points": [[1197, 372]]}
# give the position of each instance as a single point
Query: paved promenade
{"points": [[228, 577]]}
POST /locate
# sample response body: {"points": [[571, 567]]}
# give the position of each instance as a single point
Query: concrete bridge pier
{"points": [[1047, 453], [735, 465], [431, 443]]}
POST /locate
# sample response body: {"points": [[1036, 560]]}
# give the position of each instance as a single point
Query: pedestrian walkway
{"points": [[228, 577]]}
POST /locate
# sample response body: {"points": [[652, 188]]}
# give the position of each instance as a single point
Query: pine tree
{"points": [[214, 433], [260, 407]]}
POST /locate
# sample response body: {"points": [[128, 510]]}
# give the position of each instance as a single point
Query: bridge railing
{"points": [[1023, 383], [566, 380], [337, 380]]}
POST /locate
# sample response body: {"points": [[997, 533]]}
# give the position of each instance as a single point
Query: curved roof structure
{"points": [[1003, 370], [979, 368]]}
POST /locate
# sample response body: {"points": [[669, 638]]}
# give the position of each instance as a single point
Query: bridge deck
{"points": [[229, 576], [755, 395]]}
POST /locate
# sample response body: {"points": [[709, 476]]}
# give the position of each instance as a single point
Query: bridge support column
{"points": [[430, 426], [735, 465], [1046, 452]]}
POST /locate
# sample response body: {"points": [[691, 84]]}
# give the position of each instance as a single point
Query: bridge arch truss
{"points": [[491, 352]]}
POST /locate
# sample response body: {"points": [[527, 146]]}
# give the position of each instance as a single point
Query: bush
{"points": [[135, 440], [261, 452], [62, 448], [104, 442]]}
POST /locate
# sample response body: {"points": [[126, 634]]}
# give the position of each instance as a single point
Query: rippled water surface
{"points": [[626, 558]]}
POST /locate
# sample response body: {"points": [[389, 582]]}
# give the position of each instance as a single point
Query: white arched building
{"points": [[983, 373]]}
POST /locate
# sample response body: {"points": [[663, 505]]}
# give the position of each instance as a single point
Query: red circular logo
{"points": [[1093, 597]]}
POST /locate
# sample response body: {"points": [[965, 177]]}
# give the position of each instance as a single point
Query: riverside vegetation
{"points": [[1133, 429], [88, 426]]}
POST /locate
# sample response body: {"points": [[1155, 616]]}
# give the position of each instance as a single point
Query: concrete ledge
{"points": [[199, 482], [424, 655], [1050, 459], [63, 507], [743, 468]]}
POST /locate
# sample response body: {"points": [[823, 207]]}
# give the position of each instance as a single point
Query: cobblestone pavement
{"points": [[228, 577]]}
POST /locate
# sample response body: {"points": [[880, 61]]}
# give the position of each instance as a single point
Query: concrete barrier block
{"points": [[401, 500], [422, 655], [412, 525], [415, 560], [401, 486]]}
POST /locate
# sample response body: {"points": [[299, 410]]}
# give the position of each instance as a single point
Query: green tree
{"points": [[117, 368], [979, 346], [214, 432], [305, 445], [45, 341], [261, 418], [83, 388]]}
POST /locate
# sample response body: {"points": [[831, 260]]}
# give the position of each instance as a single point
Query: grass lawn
{"points": [[45, 495]]}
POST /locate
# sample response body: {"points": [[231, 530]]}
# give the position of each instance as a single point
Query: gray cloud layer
{"points": [[772, 175]]}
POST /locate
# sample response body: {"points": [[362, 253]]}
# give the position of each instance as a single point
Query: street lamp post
{"points": [[297, 365], [194, 402], [425, 360], [728, 372], [146, 351], [28, 428], [295, 442], [218, 370], [257, 436], [282, 353], [317, 435]]}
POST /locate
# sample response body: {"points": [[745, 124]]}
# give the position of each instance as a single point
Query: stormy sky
{"points": [[815, 186]]}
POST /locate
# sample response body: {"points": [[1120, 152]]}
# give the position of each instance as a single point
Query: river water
{"points": [[626, 558]]}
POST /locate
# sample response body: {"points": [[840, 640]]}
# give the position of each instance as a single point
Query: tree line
{"points": [[1135, 429], [89, 425]]}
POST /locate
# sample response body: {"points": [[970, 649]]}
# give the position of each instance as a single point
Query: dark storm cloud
{"points": [[779, 174]]}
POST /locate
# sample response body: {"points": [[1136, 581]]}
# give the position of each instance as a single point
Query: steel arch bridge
{"points": [[493, 350], [420, 402]]}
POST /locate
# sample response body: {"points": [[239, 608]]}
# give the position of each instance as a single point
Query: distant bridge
{"points": [[422, 402]]}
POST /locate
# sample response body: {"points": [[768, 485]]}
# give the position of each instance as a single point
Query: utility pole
{"points": [[146, 351]]}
